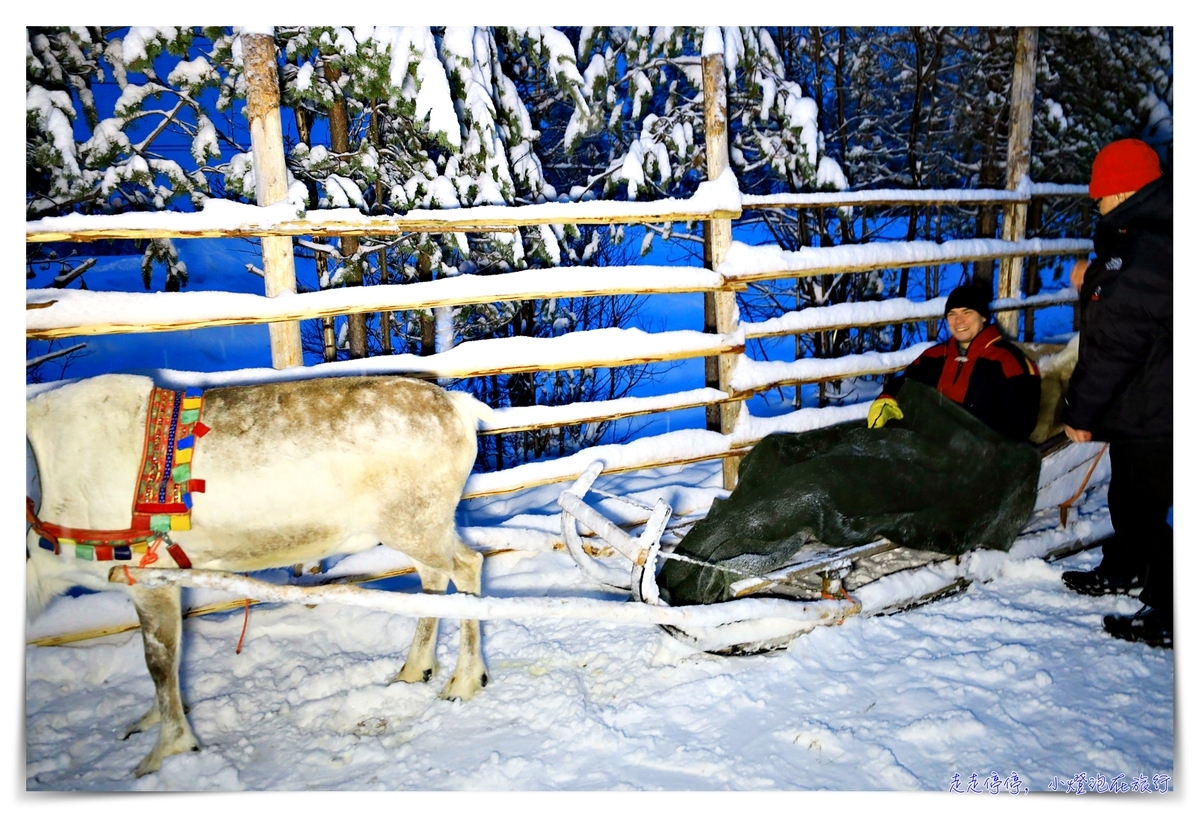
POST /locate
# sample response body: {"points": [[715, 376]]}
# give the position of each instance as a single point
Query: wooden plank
{"points": [[62, 314], [750, 330], [843, 375], [599, 411], [330, 223], [649, 463], [534, 362], [815, 560], [1082, 249], [904, 198]]}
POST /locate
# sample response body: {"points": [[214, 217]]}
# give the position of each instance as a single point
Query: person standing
{"points": [[1120, 391]]}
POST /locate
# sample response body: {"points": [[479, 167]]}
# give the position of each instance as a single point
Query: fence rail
{"points": [[901, 197], [716, 199], [65, 313]]}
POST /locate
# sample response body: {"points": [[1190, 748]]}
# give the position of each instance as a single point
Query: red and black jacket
{"points": [[994, 381]]}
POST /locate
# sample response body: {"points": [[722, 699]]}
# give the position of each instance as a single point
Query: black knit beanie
{"points": [[970, 297]]}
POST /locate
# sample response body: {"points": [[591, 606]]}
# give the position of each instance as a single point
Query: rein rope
{"points": [[1064, 506]]}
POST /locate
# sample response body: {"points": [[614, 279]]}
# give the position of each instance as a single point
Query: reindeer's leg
{"points": [[143, 724], [161, 618], [470, 674], [421, 664]]}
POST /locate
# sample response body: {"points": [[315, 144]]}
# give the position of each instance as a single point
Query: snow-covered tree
{"points": [[89, 150]]}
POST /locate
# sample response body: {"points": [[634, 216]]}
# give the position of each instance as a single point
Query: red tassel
{"points": [[200, 430], [245, 622], [177, 554], [196, 486]]}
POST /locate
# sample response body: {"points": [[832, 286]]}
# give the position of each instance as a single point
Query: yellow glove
{"points": [[881, 411]]}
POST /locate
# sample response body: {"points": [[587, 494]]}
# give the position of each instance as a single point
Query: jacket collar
{"points": [[1152, 203], [986, 337]]}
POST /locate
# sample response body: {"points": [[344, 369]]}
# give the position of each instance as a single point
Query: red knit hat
{"points": [[1122, 167]]}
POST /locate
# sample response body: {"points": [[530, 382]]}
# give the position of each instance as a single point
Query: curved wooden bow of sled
{"points": [[642, 552]]}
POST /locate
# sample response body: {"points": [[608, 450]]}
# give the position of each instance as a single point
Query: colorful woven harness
{"points": [[163, 500]]}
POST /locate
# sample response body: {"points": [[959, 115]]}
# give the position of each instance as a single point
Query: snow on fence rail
{"points": [[60, 313], [887, 311], [899, 196], [585, 349], [746, 263], [716, 199]]}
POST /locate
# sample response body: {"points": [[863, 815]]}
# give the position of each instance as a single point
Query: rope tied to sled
{"points": [[1065, 506]]}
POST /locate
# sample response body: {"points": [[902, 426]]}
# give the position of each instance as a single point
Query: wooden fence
{"points": [[67, 313]]}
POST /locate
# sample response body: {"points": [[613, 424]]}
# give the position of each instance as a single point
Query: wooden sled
{"points": [[875, 578], [818, 572]]}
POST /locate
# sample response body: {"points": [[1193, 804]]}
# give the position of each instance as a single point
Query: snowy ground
{"points": [[1014, 676]]}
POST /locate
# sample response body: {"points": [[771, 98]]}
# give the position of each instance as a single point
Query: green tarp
{"points": [[937, 479]]}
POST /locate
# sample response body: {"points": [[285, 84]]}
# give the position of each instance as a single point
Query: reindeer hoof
{"points": [[414, 675], [143, 724], [150, 764], [463, 688]]}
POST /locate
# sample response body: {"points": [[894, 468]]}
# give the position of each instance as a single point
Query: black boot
{"points": [[1098, 583], [1149, 625]]}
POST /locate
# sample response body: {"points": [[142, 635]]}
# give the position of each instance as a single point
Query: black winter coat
{"points": [[994, 381], [1121, 387]]}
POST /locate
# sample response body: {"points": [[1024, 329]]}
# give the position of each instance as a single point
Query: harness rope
{"points": [[1066, 505]]}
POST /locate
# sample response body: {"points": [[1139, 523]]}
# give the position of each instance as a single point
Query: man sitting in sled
{"points": [[952, 470], [976, 368]]}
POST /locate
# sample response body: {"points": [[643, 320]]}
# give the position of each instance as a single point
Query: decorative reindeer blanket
{"points": [[937, 479], [162, 500]]}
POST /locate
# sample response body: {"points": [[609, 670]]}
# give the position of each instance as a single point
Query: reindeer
{"points": [[294, 472]]}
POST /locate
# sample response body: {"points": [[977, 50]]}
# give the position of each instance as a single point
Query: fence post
{"points": [[1020, 132], [270, 184], [718, 236]]}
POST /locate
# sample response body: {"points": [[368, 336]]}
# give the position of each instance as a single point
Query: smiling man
{"points": [[976, 368]]}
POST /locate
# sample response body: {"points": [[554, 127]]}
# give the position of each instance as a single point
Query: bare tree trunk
{"points": [[428, 326], [385, 318], [339, 140], [328, 338], [801, 231], [840, 79], [1033, 279], [902, 290], [304, 121], [983, 274]]}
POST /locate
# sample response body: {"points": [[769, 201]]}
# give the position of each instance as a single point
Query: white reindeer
{"points": [[294, 472]]}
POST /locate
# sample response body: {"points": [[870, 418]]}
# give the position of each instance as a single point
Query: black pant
{"points": [[1139, 497]]}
